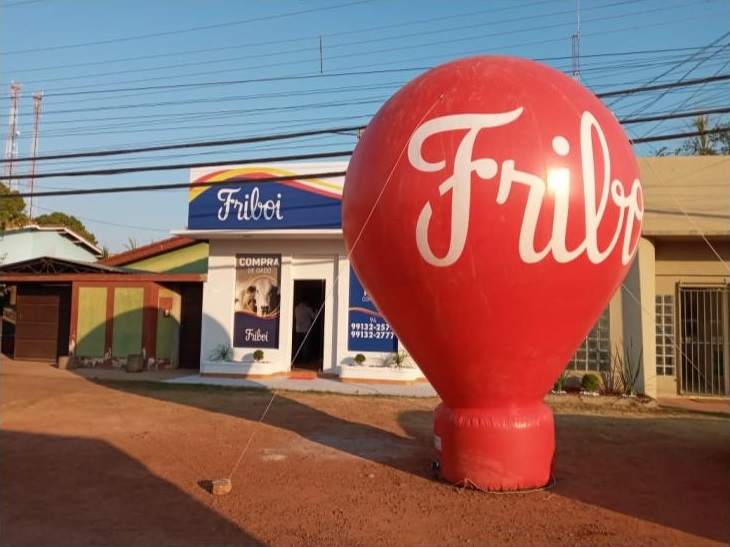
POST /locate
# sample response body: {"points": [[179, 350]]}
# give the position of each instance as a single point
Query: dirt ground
{"points": [[126, 463]]}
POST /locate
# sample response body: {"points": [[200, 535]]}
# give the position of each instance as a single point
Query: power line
{"points": [[190, 52], [287, 54], [227, 142], [157, 187], [540, 27], [300, 134], [107, 223], [696, 81], [182, 31], [200, 144], [125, 170], [680, 135], [662, 117], [622, 66], [698, 64]]}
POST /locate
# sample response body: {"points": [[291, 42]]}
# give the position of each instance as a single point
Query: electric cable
{"points": [[174, 186], [124, 170], [199, 144], [693, 82]]}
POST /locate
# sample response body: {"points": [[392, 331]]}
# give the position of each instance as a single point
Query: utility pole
{"points": [[37, 98], [576, 48], [11, 147]]}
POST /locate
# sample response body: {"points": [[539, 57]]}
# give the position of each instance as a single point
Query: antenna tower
{"points": [[576, 48], [11, 147], [37, 98]]}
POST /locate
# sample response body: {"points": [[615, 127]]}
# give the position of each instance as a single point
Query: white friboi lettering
{"points": [[251, 208], [628, 204], [256, 335]]}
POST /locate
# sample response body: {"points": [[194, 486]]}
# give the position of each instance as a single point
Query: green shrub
{"points": [[590, 382], [398, 359], [221, 352], [258, 355], [559, 385], [629, 368], [359, 359]]}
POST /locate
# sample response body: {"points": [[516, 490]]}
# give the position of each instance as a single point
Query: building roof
{"points": [[50, 269], [148, 251], [51, 265], [62, 231]]}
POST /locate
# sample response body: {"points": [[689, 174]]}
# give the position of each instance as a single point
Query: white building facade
{"points": [[274, 243]]}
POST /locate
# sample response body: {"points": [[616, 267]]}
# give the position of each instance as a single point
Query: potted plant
{"points": [[559, 386], [590, 383], [221, 352], [398, 359], [258, 355], [359, 359]]}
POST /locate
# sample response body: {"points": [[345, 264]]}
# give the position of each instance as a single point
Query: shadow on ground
{"points": [[669, 471], [411, 453], [87, 492]]}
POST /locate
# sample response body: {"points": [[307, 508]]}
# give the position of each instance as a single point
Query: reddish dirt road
{"points": [[124, 463]]}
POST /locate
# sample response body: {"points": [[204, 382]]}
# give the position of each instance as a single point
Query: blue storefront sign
{"points": [[367, 329], [247, 199], [256, 301]]}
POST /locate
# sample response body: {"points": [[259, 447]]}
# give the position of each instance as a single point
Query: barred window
{"points": [[665, 335], [594, 352]]}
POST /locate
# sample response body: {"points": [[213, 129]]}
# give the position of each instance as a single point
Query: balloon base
{"points": [[495, 449]]}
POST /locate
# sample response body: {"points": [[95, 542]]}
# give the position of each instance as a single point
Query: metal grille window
{"points": [[665, 335], [704, 345], [594, 354]]}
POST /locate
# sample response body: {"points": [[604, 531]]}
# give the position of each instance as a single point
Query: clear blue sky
{"points": [[119, 74]]}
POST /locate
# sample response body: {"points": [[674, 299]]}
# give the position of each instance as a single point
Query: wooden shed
{"points": [[100, 314]]}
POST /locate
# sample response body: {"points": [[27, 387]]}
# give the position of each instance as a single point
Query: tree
{"points": [[701, 145], [69, 221], [704, 144], [721, 141], [12, 209]]}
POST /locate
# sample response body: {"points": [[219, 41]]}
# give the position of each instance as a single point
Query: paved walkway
{"points": [[183, 376], [332, 385], [714, 405]]}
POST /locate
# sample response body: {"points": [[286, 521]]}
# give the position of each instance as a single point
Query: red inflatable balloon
{"points": [[491, 209]]}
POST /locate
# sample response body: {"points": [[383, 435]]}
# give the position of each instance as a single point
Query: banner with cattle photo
{"points": [[256, 309]]}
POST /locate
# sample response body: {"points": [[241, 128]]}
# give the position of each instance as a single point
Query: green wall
{"points": [[91, 326], [128, 317], [168, 328], [190, 259]]}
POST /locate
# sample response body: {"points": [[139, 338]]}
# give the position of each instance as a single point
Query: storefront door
{"points": [[311, 339]]}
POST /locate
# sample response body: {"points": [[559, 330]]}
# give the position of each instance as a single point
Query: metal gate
{"points": [[704, 345]]}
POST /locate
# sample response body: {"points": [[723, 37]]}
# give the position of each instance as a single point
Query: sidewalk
{"points": [[192, 377], [708, 405], [697, 404]]}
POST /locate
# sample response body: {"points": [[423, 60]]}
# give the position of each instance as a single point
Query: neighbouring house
{"points": [[100, 314], [32, 241], [173, 255], [671, 311]]}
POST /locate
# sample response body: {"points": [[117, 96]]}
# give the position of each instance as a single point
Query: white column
{"points": [[638, 296]]}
